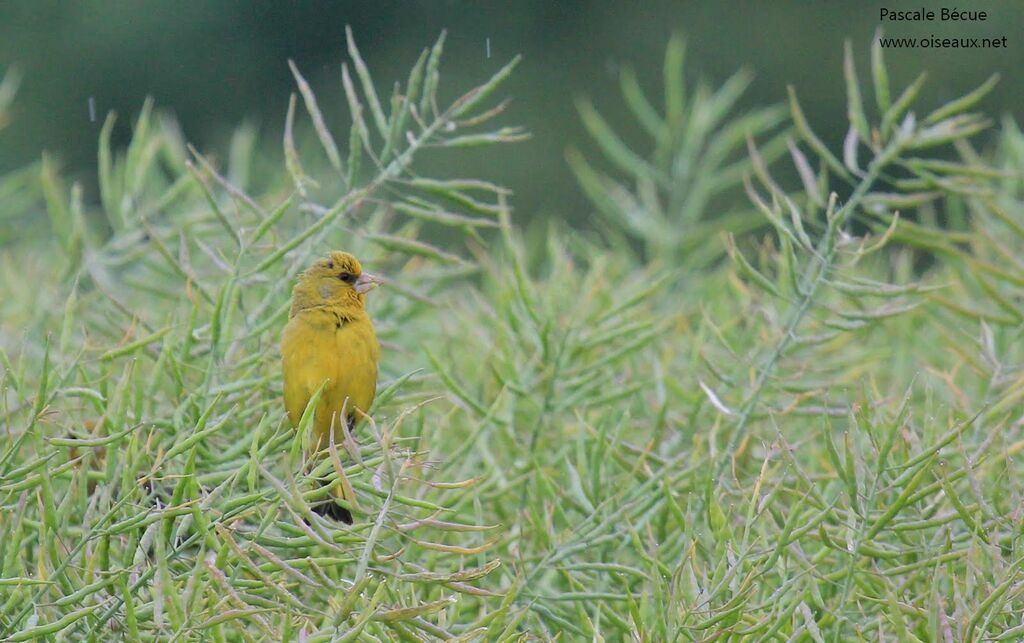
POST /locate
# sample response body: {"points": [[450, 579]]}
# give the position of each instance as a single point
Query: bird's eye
{"points": [[346, 277], [330, 265]]}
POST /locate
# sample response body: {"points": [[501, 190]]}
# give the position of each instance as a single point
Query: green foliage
{"points": [[19, 193], [697, 157], [814, 440], [179, 500]]}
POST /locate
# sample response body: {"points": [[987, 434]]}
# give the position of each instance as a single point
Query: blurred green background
{"points": [[217, 63]]}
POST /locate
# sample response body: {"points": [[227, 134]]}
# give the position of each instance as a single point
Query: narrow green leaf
{"points": [[324, 134], [368, 90]]}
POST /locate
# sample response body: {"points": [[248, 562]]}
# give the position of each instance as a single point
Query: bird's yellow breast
{"points": [[318, 346]]}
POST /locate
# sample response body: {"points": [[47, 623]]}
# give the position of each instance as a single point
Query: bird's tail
{"points": [[342, 490], [331, 509]]}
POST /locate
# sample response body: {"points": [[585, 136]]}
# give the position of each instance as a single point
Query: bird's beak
{"points": [[366, 282]]}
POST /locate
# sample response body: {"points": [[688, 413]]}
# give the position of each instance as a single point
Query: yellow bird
{"points": [[329, 341]]}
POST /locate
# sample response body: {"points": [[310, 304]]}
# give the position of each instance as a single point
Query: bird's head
{"points": [[337, 281]]}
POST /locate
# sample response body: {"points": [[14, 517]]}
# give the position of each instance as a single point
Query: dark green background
{"points": [[215, 63]]}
